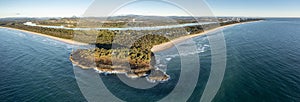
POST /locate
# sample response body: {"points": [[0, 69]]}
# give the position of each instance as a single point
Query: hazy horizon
{"points": [[142, 15], [228, 8]]}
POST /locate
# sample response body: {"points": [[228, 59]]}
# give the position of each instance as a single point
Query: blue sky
{"points": [[260, 8], [42, 8], [67, 8]]}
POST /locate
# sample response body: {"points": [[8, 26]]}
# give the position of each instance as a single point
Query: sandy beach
{"points": [[155, 48], [68, 41], [171, 43]]}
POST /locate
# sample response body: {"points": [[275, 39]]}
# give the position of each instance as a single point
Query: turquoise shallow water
{"points": [[263, 64]]}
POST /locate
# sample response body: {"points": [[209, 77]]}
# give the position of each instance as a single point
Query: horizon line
{"points": [[146, 15]]}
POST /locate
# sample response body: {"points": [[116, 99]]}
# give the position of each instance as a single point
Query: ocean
{"points": [[262, 64]]}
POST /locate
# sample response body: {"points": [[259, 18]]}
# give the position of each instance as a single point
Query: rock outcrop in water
{"points": [[119, 61]]}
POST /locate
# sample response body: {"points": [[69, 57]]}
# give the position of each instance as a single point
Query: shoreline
{"points": [[68, 41], [171, 43], [151, 79], [156, 48]]}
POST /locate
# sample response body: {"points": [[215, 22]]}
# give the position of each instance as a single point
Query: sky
{"points": [[68, 8], [256, 8]]}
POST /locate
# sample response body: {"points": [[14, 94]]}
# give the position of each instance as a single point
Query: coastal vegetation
{"points": [[119, 51], [61, 33]]}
